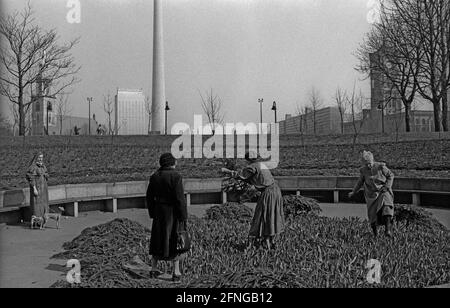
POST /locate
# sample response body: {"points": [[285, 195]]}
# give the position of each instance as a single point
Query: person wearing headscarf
{"points": [[377, 181], [268, 219], [167, 207], [37, 177]]}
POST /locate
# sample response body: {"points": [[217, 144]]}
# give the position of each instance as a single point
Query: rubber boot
{"points": [[374, 229], [388, 226]]}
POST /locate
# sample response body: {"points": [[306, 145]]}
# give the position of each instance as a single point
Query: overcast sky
{"points": [[242, 49]]}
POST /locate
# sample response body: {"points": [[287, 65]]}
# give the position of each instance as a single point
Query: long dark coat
{"points": [[37, 176], [379, 203], [166, 206]]}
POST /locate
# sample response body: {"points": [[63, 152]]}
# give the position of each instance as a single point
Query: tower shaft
{"points": [[158, 82]]}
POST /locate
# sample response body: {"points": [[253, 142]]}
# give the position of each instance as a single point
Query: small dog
{"points": [[35, 221], [42, 221], [55, 216]]}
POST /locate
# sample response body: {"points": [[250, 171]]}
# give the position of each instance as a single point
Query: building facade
{"points": [[387, 112], [325, 121], [71, 125], [131, 116], [385, 115], [43, 112]]}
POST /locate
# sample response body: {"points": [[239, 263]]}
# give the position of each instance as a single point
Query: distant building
{"points": [[131, 117], [69, 123], [387, 112], [43, 115], [327, 121], [45, 119], [382, 92]]}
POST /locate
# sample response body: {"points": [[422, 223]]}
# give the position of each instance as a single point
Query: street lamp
{"points": [[166, 109], [381, 107], [49, 108], [260, 101], [274, 108], [89, 120]]}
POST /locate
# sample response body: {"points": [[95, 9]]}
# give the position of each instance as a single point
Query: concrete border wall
{"points": [[415, 191]]}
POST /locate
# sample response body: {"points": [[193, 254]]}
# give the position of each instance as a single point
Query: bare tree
{"points": [[429, 21], [445, 52], [392, 54], [15, 117], [397, 127], [212, 106], [62, 109], [301, 113], [410, 47], [305, 112], [315, 102], [108, 107], [341, 100], [356, 103], [29, 55], [28, 122]]}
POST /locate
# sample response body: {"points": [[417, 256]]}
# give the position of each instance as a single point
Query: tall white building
{"points": [[158, 81], [131, 117]]}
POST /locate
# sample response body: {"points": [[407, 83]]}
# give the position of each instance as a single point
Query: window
{"points": [[52, 119]]}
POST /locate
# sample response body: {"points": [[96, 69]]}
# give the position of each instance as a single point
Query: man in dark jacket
{"points": [[167, 207]]}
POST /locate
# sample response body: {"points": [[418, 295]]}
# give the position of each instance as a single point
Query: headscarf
{"points": [[35, 158]]}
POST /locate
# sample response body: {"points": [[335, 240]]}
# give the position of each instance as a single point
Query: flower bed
{"points": [[313, 251], [83, 159]]}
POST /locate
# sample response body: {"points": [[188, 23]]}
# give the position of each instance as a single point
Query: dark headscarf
{"points": [[167, 160], [35, 157]]}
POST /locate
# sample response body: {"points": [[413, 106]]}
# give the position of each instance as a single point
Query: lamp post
{"points": [[166, 109], [89, 120], [260, 101], [381, 107], [49, 108], [274, 108]]}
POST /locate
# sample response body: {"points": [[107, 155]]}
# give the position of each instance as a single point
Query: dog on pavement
{"points": [[42, 221], [37, 221], [55, 216]]}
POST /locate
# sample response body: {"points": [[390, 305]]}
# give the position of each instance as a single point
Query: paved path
{"points": [[25, 254]]}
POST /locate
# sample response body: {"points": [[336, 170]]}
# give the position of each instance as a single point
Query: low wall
{"points": [[113, 196]]}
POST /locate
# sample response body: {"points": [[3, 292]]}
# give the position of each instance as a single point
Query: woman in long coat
{"points": [[37, 177], [167, 207], [268, 220], [377, 181]]}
